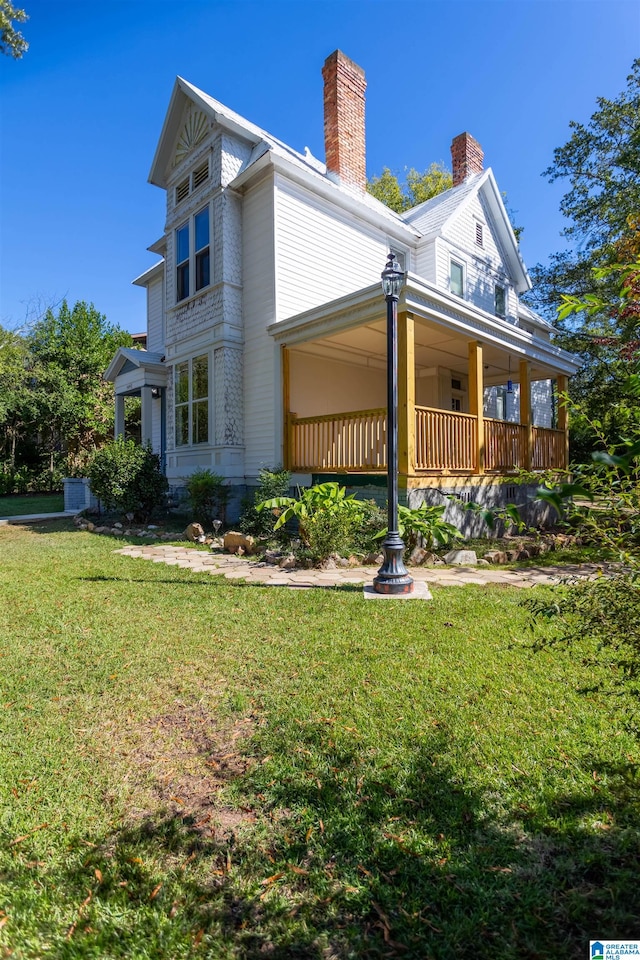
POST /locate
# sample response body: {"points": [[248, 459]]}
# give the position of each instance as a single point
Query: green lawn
{"points": [[191, 767], [18, 506]]}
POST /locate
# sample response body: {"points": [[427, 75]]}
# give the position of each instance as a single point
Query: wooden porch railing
{"points": [[549, 449], [505, 445], [445, 441], [355, 441]]}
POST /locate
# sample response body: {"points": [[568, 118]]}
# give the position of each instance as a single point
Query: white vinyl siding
{"points": [[262, 390], [321, 255], [426, 260], [485, 266], [155, 315]]}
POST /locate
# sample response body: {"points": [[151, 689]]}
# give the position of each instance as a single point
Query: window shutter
{"points": [[201, 174], [182, 190]]}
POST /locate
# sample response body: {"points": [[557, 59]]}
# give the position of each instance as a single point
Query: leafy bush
{"points": [[328, 518], [424, 526], [597, 621], [271, 483], [208, 496], [126, 477]]}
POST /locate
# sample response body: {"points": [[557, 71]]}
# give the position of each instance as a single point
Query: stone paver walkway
{"points": [[255, 572]]}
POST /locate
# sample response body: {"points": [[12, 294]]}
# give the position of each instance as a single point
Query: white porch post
{"points": [[146, 401], [119, 424]]}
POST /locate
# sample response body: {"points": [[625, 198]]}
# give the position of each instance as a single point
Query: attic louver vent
{"points": [[201, 174], [479, 234], [182, 190]]}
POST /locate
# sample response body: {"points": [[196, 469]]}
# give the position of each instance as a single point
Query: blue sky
{"points": [[82, 112]]}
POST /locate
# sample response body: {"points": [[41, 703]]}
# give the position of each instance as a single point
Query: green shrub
{"points": [[208, 496], [271, 483], [328, 518], [424, 526], [126, 477], [365, 535], [606, 610]]}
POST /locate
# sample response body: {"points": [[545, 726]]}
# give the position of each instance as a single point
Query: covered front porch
{"points": [[457, 368], [141, 374]]}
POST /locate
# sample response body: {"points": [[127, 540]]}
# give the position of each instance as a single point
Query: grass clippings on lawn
{"points": [[197, 768]]}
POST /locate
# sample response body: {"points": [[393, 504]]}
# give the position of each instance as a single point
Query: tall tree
{"points": [[12, 43], [17, 404], [71, 348], [416, 188], [601, 162]]}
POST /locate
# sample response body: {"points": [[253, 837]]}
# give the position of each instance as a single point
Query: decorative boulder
{"points": [[195, 533], [495, 556], [461, 558], [234, 541]]}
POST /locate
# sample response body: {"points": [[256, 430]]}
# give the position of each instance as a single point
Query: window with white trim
{"points": [[500, 300], [456, 278], [191, 391], [193, 261]]}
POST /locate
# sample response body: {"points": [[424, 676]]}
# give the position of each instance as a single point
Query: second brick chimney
{"points": [[466, 157], [344, 87]]}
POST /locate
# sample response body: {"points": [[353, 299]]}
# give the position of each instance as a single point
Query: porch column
{"points": [[287, 459], [562, 382], [525, 411], [406, 396], [476, 400], [119, 424], [146, 416]]}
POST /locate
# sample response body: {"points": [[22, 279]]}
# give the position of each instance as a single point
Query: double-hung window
{"points": [[456, 278], [192, 401], [193, 261]]}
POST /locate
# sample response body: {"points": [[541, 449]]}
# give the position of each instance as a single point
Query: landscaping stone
{"points": [[373, 559], [195, 533], [234, 540], [496, 556], [288, 562], [461, 558], [418, 556]]}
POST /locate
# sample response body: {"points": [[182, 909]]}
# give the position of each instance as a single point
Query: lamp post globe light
{"points": [[392, 577]]}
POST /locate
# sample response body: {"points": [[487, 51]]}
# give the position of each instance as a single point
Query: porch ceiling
{"points": [[435, 346], [352, 329]]}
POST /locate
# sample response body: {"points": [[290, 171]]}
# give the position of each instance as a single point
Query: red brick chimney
{"points": [[466, 157], [344, 87]]}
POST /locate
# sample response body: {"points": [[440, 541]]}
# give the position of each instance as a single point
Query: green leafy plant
{"points": [[208, 496], [424, 526], [127, 477], [327, 517], [271, 483]]}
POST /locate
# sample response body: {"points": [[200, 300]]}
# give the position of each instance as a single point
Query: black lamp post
{"points": [[393, 577]]}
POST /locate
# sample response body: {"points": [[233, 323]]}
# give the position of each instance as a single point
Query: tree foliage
{"points": [[596, 320], [71, 349], [12, 43], [414, 189], [55, 407], [601, 162]]}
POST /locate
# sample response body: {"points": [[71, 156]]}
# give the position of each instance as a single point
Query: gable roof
{"points": [[266, 149], [128, 358], [432, 217]]}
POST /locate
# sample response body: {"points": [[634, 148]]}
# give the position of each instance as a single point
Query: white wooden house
{"points": [[266, 320]]}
